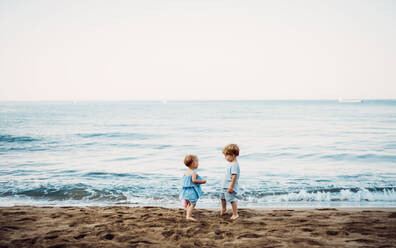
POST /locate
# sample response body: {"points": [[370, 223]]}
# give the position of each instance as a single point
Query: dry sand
{"points": [[165, 227]]}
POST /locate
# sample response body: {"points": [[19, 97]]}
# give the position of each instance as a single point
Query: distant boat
{"points": [[350, 100]]}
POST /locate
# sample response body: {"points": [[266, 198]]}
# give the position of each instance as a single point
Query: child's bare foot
{"points": [[233, 217], [223, 211], [191, 218]]}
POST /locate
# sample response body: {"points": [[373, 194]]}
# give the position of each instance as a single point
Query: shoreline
{"points": [[386, 208], [124, 226]]}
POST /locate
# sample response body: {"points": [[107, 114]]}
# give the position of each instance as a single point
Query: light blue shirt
{"points": [[232, 168]]}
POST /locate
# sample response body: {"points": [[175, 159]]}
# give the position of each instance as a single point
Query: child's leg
{"points": [[188, 204], [190, 208], [223, 206], [185, 204], [234, 210]]}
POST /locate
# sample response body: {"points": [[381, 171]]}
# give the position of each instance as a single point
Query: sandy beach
{"points": [[166, 227]]}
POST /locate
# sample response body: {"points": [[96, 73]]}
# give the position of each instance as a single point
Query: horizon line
{"points": [[197, 100]]}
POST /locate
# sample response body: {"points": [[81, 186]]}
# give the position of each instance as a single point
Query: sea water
{"points": [[293, 153]]}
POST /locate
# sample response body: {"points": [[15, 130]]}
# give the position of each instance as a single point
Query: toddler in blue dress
{"points": [[191, 185]]}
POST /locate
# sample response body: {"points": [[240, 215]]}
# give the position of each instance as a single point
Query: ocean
{"points": [[293, 153]]}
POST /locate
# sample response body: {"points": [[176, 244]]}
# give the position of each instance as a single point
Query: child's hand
{"points": [[204, 181], [230, 190]]}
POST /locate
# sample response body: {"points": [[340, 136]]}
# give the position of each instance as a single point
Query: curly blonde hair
{"points": [[231, 149], [189, 159]]}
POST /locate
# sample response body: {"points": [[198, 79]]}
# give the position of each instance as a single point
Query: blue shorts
{"points": [[229, 197]]}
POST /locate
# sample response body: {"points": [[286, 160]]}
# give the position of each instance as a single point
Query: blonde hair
{"points": [[189, 159], [231, 149]]}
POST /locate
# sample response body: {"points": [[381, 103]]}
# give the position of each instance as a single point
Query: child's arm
{"points": [[195, 180], [233, 181]]}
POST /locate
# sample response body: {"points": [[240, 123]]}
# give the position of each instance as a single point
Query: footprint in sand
{"points": [[392, 215], [138, 242], [80, 236], [167, 234], [145, 216], [389, 236], [342, 214], [217, 237], [204, 224], [326, 209], [332, 233], [73, 224], [229, 234], [249, 236], [109, 236], [366, 241], [23, 242], [14, 213], [310, 242], [27, 219], [58, 246], [179, 234], [9, 227], [51, 237]]}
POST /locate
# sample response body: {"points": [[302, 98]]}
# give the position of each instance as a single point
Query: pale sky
{"points": [[196, 50]]}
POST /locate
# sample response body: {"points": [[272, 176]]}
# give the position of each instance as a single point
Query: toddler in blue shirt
{"points": [[230, 185]]}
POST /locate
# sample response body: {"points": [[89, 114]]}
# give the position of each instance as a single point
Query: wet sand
{"points": [[165, 227]]}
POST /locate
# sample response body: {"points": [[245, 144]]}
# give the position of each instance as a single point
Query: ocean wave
{"points": [[267, 156], [387, 194], [12, 143], [137, 136], [161, 147], [67, 192], [114, 194], [122, 159], [368, 157], [110, 175], [16, 139]]}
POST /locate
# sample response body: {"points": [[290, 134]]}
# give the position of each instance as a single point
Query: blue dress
{"points": [[190, 191]]}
